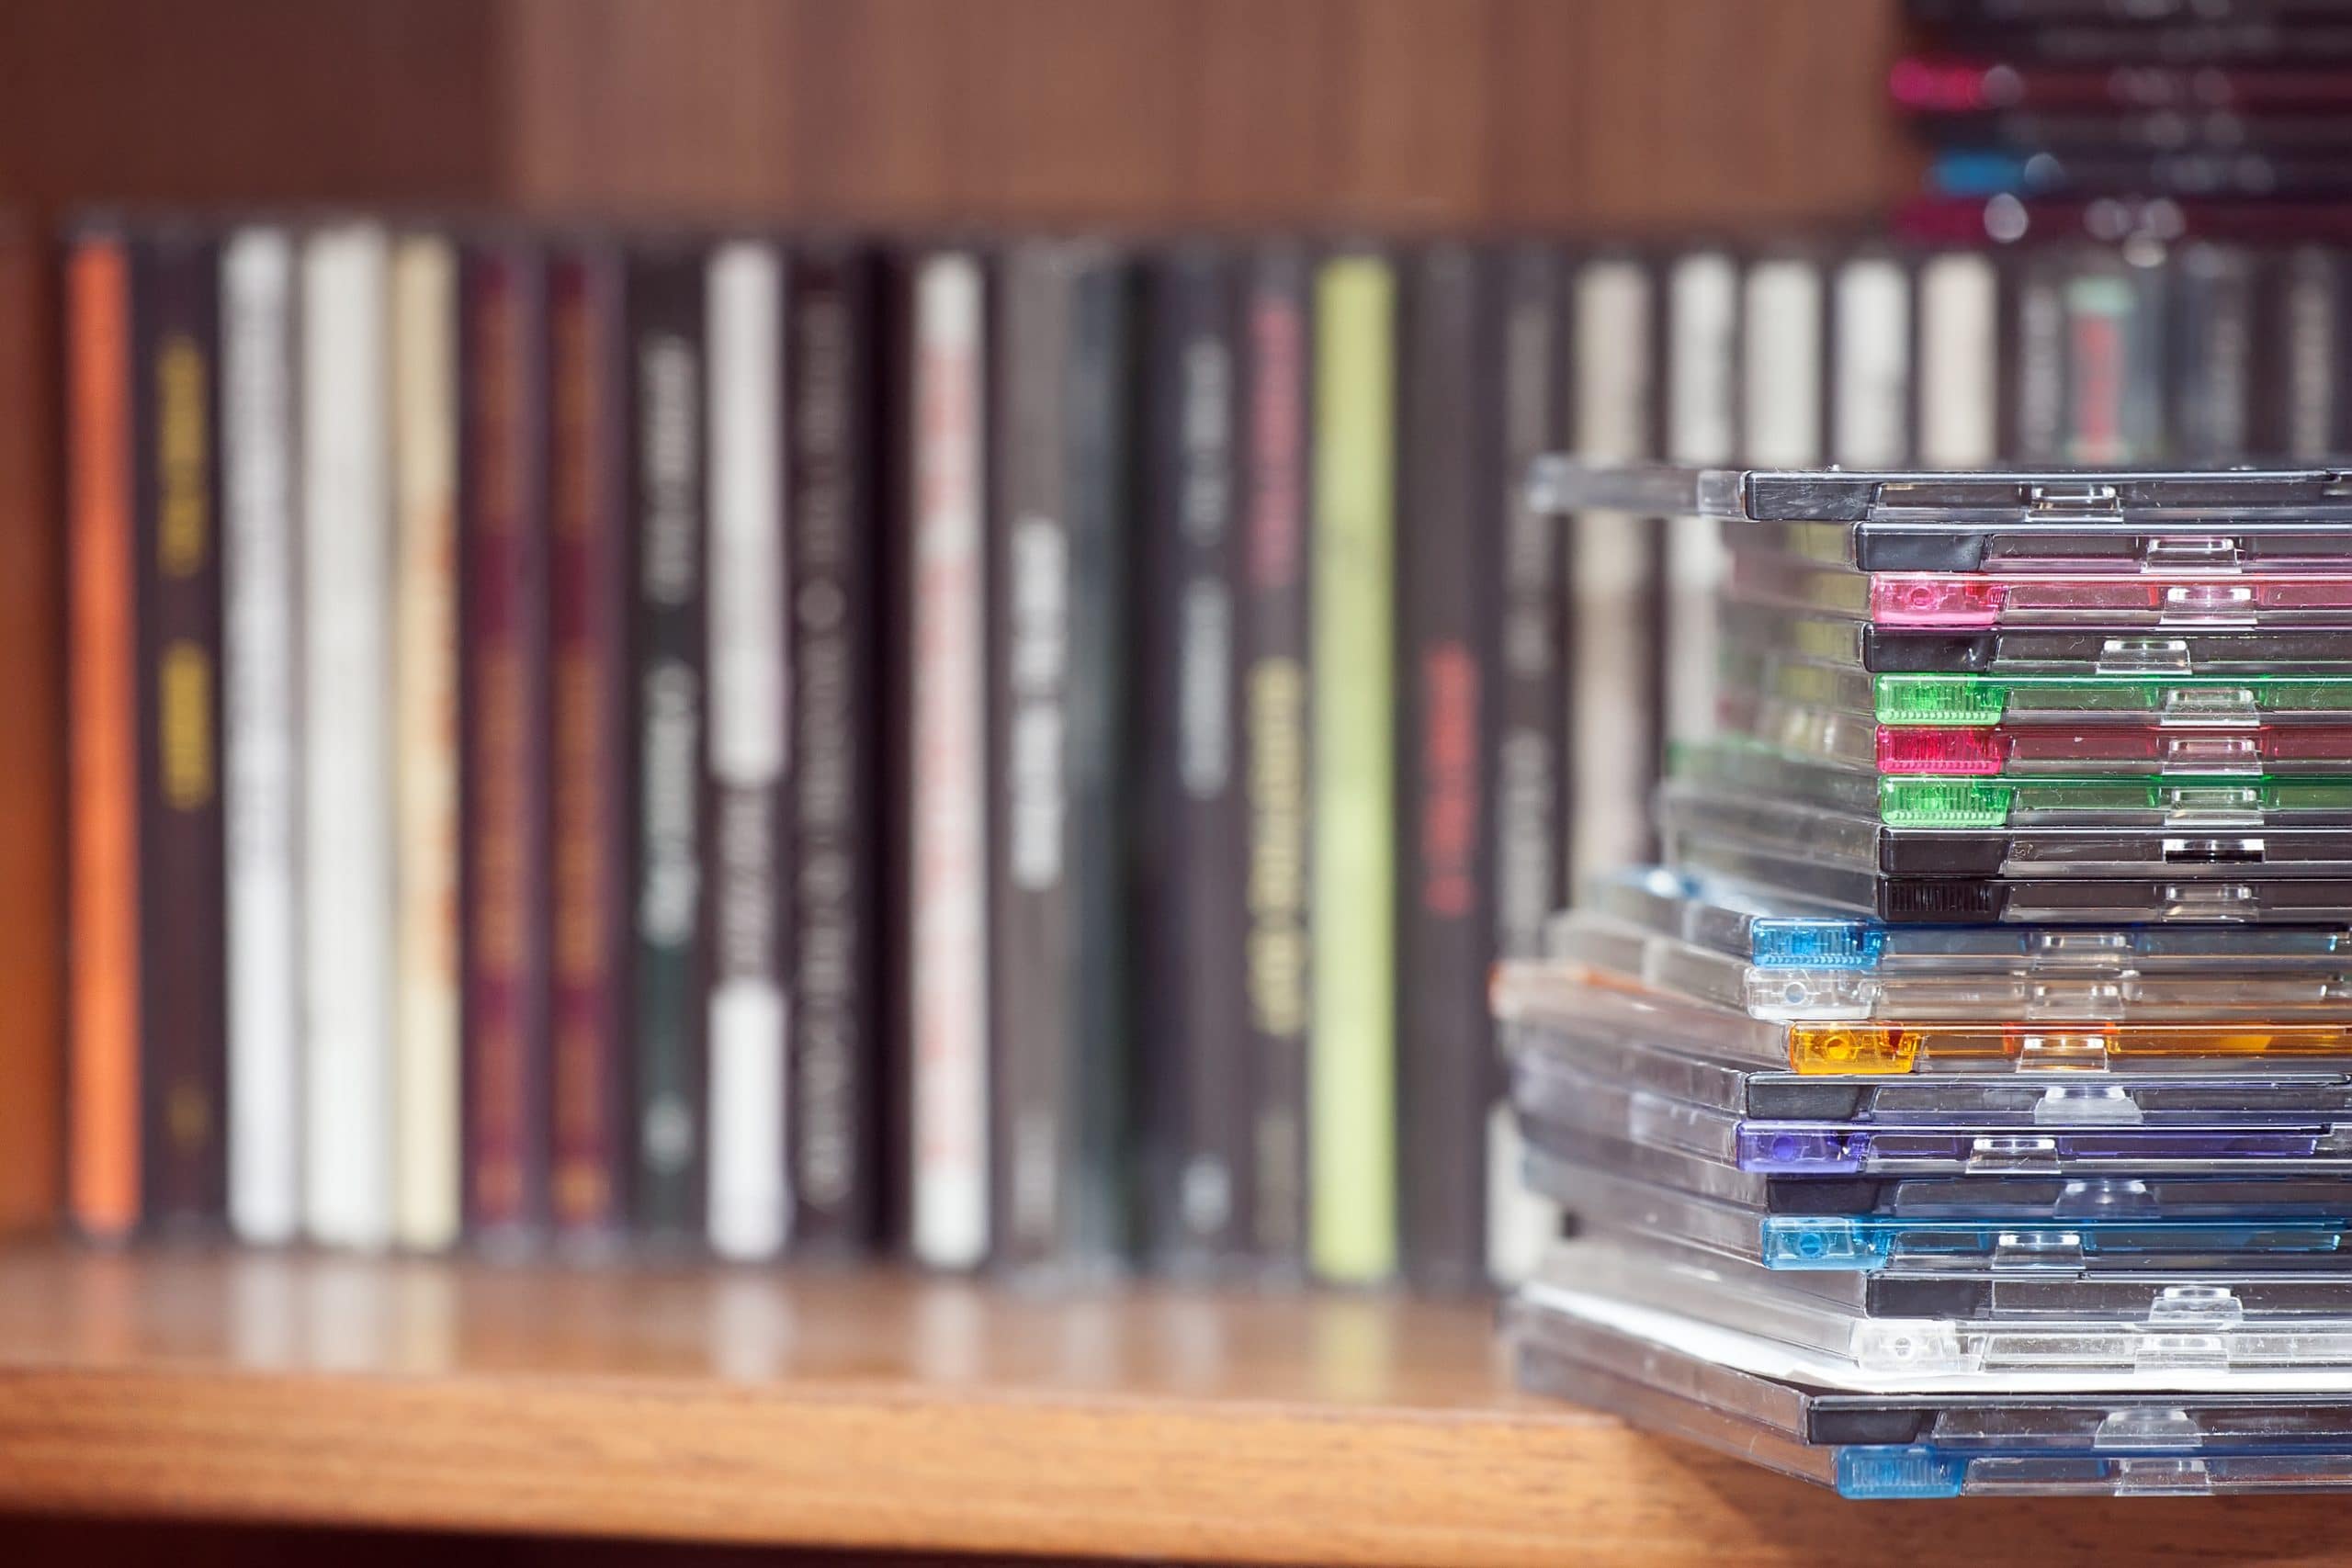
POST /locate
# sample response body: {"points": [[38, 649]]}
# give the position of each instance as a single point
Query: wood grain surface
{"points": [[883, 1411], [1622, 115], [32, 807], [1391, 114], [247, 101]]}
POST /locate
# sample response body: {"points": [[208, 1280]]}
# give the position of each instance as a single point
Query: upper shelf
{"points": [[1602, 115], [882, 1410]]}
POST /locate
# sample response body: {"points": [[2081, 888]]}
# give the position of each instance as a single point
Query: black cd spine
{"points": [[668, 913], [1057, 680], [184, 1077], [1190, 1022], [1447, 610], [1274, 659], [836, 1036]]}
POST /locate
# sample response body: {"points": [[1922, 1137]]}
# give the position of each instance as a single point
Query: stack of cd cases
{"points": [[1966, 1106]]}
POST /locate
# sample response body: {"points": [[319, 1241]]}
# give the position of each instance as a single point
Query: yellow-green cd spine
{"points": [[1352, 1050]]}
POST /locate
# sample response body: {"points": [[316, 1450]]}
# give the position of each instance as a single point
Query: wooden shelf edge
{"points": [[567, 1404], [987, 1473]]}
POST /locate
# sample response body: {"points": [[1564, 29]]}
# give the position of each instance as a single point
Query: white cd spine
{"points": [[1702, 349], [1612, 729], [1959, 335], [748, 1202], [1870, 423], [347, 776], [259, 618], [1781, 364]]}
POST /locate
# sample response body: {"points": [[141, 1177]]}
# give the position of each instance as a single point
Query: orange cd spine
{"points": [[103, 1159]]}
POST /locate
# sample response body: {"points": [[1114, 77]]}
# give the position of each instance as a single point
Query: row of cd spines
{"points": [[802, 748]]}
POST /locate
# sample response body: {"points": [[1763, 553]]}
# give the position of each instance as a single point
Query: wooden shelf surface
{"points": [[887, 1411]]}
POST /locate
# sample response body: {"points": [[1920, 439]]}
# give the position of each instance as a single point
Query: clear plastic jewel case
{"points": [[1547, 990], [2187, 1331], [1605, 1200], [1733, 763], [2014, 1435], [2090, 648], [2122, 519]]}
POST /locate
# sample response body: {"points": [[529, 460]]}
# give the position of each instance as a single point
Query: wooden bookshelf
{"points": [[880, 1410], [1393, 113], [872, 1410], [1599, 116]]}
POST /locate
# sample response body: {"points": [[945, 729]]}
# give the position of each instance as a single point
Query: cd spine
{"points": [[1190, 1027], [429, 1010], [2113, 329], [1277, 741], [2033, 354], [588, 583], [1870, 375], [2301, 354], [749, 675], [104, 1183], [1099, 1229], [1522, 344], [1352, 1231], [347, 812], [1029, 545], [1613, 698], [184, 1085], [1702, 404], [1782, 382], [833, 1085], [258, 733], [1446, 614], [505, 709], [950, 943], [1059, 1030], [669, 955], [2212, 331], [1960, 365]]}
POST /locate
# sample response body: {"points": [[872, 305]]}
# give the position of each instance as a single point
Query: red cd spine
{"points": [[588, 576], [507, 773]]}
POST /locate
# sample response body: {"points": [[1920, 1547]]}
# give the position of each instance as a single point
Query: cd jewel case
{"points": [[1556, 991], [2201, 1295], [1838, 839], [2092, 649], [1550, 1094], [1795, 994], [2155, 748], [2198, 877], [1964, 800], [1900, 698], [2187, 1330], [2293, 1093], [1891, 521], [1664, 1151], [1774, 930], [1964, 1106], [1607, 1202], [2039, 1432], [1975, 600]]}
